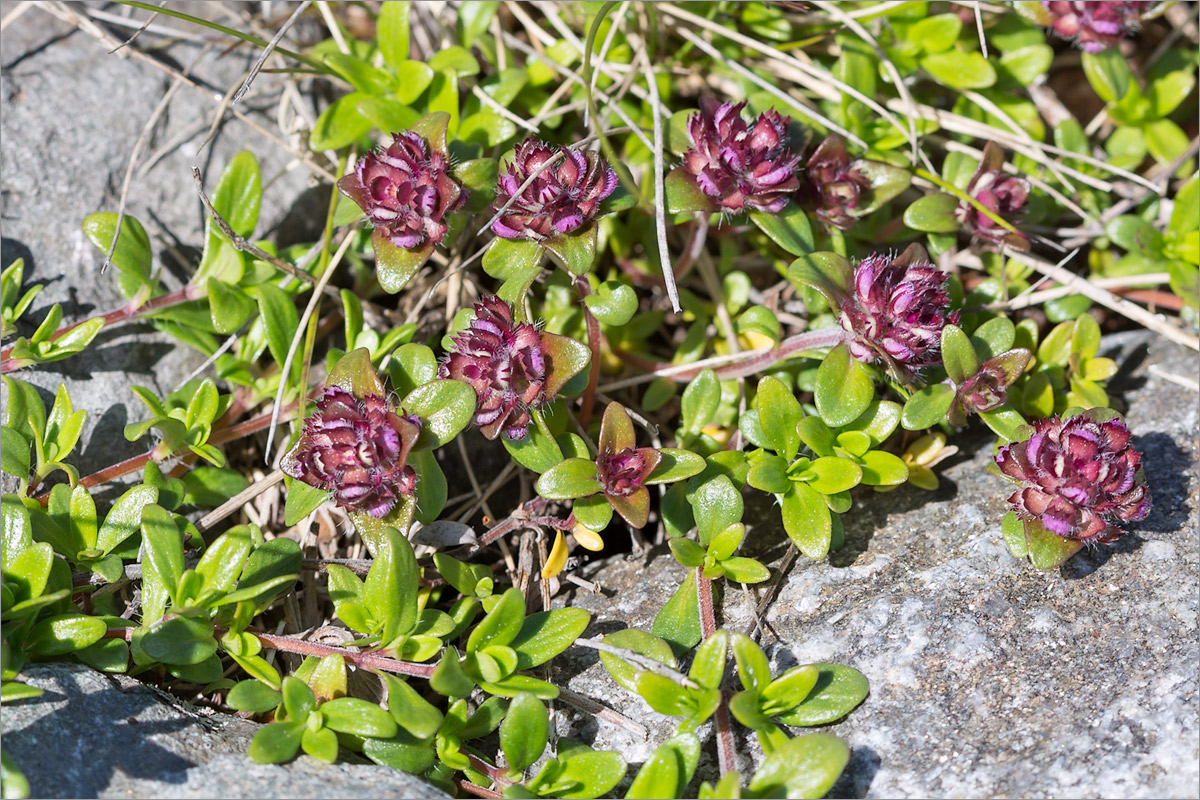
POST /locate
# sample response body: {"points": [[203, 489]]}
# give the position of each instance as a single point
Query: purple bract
{"points": [[357, 449], [562, 198], [1079, 477], [405, 190], [1003, 194], [741, 167], [623, 468]]}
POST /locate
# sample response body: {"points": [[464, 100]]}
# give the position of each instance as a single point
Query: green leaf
{"points": [[668, 770], [133, 256], [769, 475], [638, 641], [358, 717], [320, 743], [686, 551], [524, 732], [302, 500], [544, 635], [779, 413], [228, 306], [455, 60], [411, 711], [880, 468], [837, 691], [388, 114], [807, 520], [276, 743], [958, 355], [935, 34], [448, 677], [678, 621], [445, 408], [65, 633], [395, 266], [401, 753], [614, 303], [1048, 550], [281, 320], [960, 70], [1165, 140], [717, 504], [843, 389], [933, 213], [1108, 73], [253, 696], [180, 640], [391, 31], [754, 669], [589, 773], [222, 562], [517, 264], [360, 74], [574, 252], [675, 465], [537, 450], [789, 228], [683, 196], [1027, 64], [340, 124], [1005, 421], [502, 624], [708, 665], [568, 479], [106, 655], [390, 590], [163, 562], [807, 766], [831, 474]]}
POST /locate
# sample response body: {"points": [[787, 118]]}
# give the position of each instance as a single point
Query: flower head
{"points": [[405, 190], [832, 186], [623, 468], [1094, 25], [741, 167], [512, 366], [1079, 477], [357, 449], [986, 390], [562, 198], [896, 311], [1003, 194]]}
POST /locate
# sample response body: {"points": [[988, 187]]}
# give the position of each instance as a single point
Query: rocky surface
{"points": [[72, 115], [988, 678], [96, 735]]}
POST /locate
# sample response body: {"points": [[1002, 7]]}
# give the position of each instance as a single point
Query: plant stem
{"points": [[726, 752], [131, 310], [477, 790], [593, 327]]}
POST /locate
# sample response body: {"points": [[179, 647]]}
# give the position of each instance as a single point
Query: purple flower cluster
{"points": [[832, 186], [1095, 25], [741, 166], [1003, 194], [560, 199], [1079, 477], [357, 449], [504, 361], [406, 191], [896, 312]]}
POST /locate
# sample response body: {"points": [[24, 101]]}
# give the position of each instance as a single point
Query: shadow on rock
{"points": [[75, 750], [860, 772]]}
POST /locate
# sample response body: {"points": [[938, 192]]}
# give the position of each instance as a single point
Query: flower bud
{"points": [[1079, 476], [741, 167], [897, 310], [623, 468], [357, 449], [831, 186], [562, 198], [1003, 194], [405, 190], [1096, 26], [987, 389]]}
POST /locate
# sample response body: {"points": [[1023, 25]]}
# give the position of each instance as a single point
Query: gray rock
{"points": [[97, 735], [988, 678], [72, 113]]}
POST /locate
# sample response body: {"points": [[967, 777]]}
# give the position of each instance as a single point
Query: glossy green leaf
{"points": [[683, 196], [613, 303], [223, 560], [180, 640], [544, 635], [779, 413], [253, 696], [302, 500], [445, 408], [516, 263], [678, 621], [276, 743], [358, 717], [806, 766], [830, 474], [64, 633], [675, 465], [958, 69], [281, 320], [537, 450], [958, 355], [1108, 73], [524, 732], [411, 711], [391, 31], [132, 257], [807, 520], [502, 624], [789, 228], [838, 691], [390, 590], [340, 124], [844, 388], [568, 479], [716, 504], [933, 213], [395, 266], [575, 252]]}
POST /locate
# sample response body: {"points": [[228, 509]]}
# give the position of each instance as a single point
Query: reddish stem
{"points": [[127, 312], [593, 328], [477, 790], [723, 724]]}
